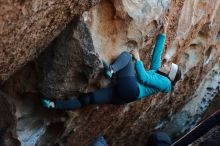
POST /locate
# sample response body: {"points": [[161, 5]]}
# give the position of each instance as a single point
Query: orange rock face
{"points": [[193, 42]]}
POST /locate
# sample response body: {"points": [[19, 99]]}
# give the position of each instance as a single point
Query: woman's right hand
{"points": [[135, 54], [165, 24]]}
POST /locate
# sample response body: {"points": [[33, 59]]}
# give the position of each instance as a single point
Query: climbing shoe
{"points": [[108, 71], [48, 103]]}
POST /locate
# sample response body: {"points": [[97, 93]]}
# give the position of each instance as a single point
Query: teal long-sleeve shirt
{"points": [[150, 82]]}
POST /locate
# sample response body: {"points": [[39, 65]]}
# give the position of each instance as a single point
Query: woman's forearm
{"points": [[157, 52]]}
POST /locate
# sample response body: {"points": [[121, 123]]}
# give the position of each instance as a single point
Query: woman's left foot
{"points": [[48, 103], [108, 71]]}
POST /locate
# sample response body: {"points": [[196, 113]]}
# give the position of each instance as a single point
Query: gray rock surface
{"points": [[8, 121], [69, 62]]}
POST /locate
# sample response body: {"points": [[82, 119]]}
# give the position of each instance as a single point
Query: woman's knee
{"points": [[126, 54]]}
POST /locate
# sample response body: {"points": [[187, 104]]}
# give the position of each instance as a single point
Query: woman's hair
{"points": [[162, 73], [177, 77]]}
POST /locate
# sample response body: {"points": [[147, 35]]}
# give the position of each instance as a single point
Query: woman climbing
{"points": [[129, 87]]}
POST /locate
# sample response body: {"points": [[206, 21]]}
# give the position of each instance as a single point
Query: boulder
{"points": [[69, 62], [8, 121], [28, 27]]}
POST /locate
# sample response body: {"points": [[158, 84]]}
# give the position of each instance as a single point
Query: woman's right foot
{"points": [[48, 103], [108, 71]]}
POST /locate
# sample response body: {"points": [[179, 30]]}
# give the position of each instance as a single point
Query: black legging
{"points": [[126, 89]]}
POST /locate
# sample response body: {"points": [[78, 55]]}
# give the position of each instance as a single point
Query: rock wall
{"points": [[28, 27], [71, 64], [8, 122], [201, 57], [30, 118], [213, 134]]}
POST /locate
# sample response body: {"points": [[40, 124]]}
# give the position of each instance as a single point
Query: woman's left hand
{"points": [[135, 54]]}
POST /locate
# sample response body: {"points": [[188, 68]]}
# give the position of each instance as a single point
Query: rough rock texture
{"points": [[27, 27], [8, 122], [115, 24], [199, 62], [71, 64], [213, 134], [32, 120], [191, 113]]}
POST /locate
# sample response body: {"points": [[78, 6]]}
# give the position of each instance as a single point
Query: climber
{"points": [[128, 87]]}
